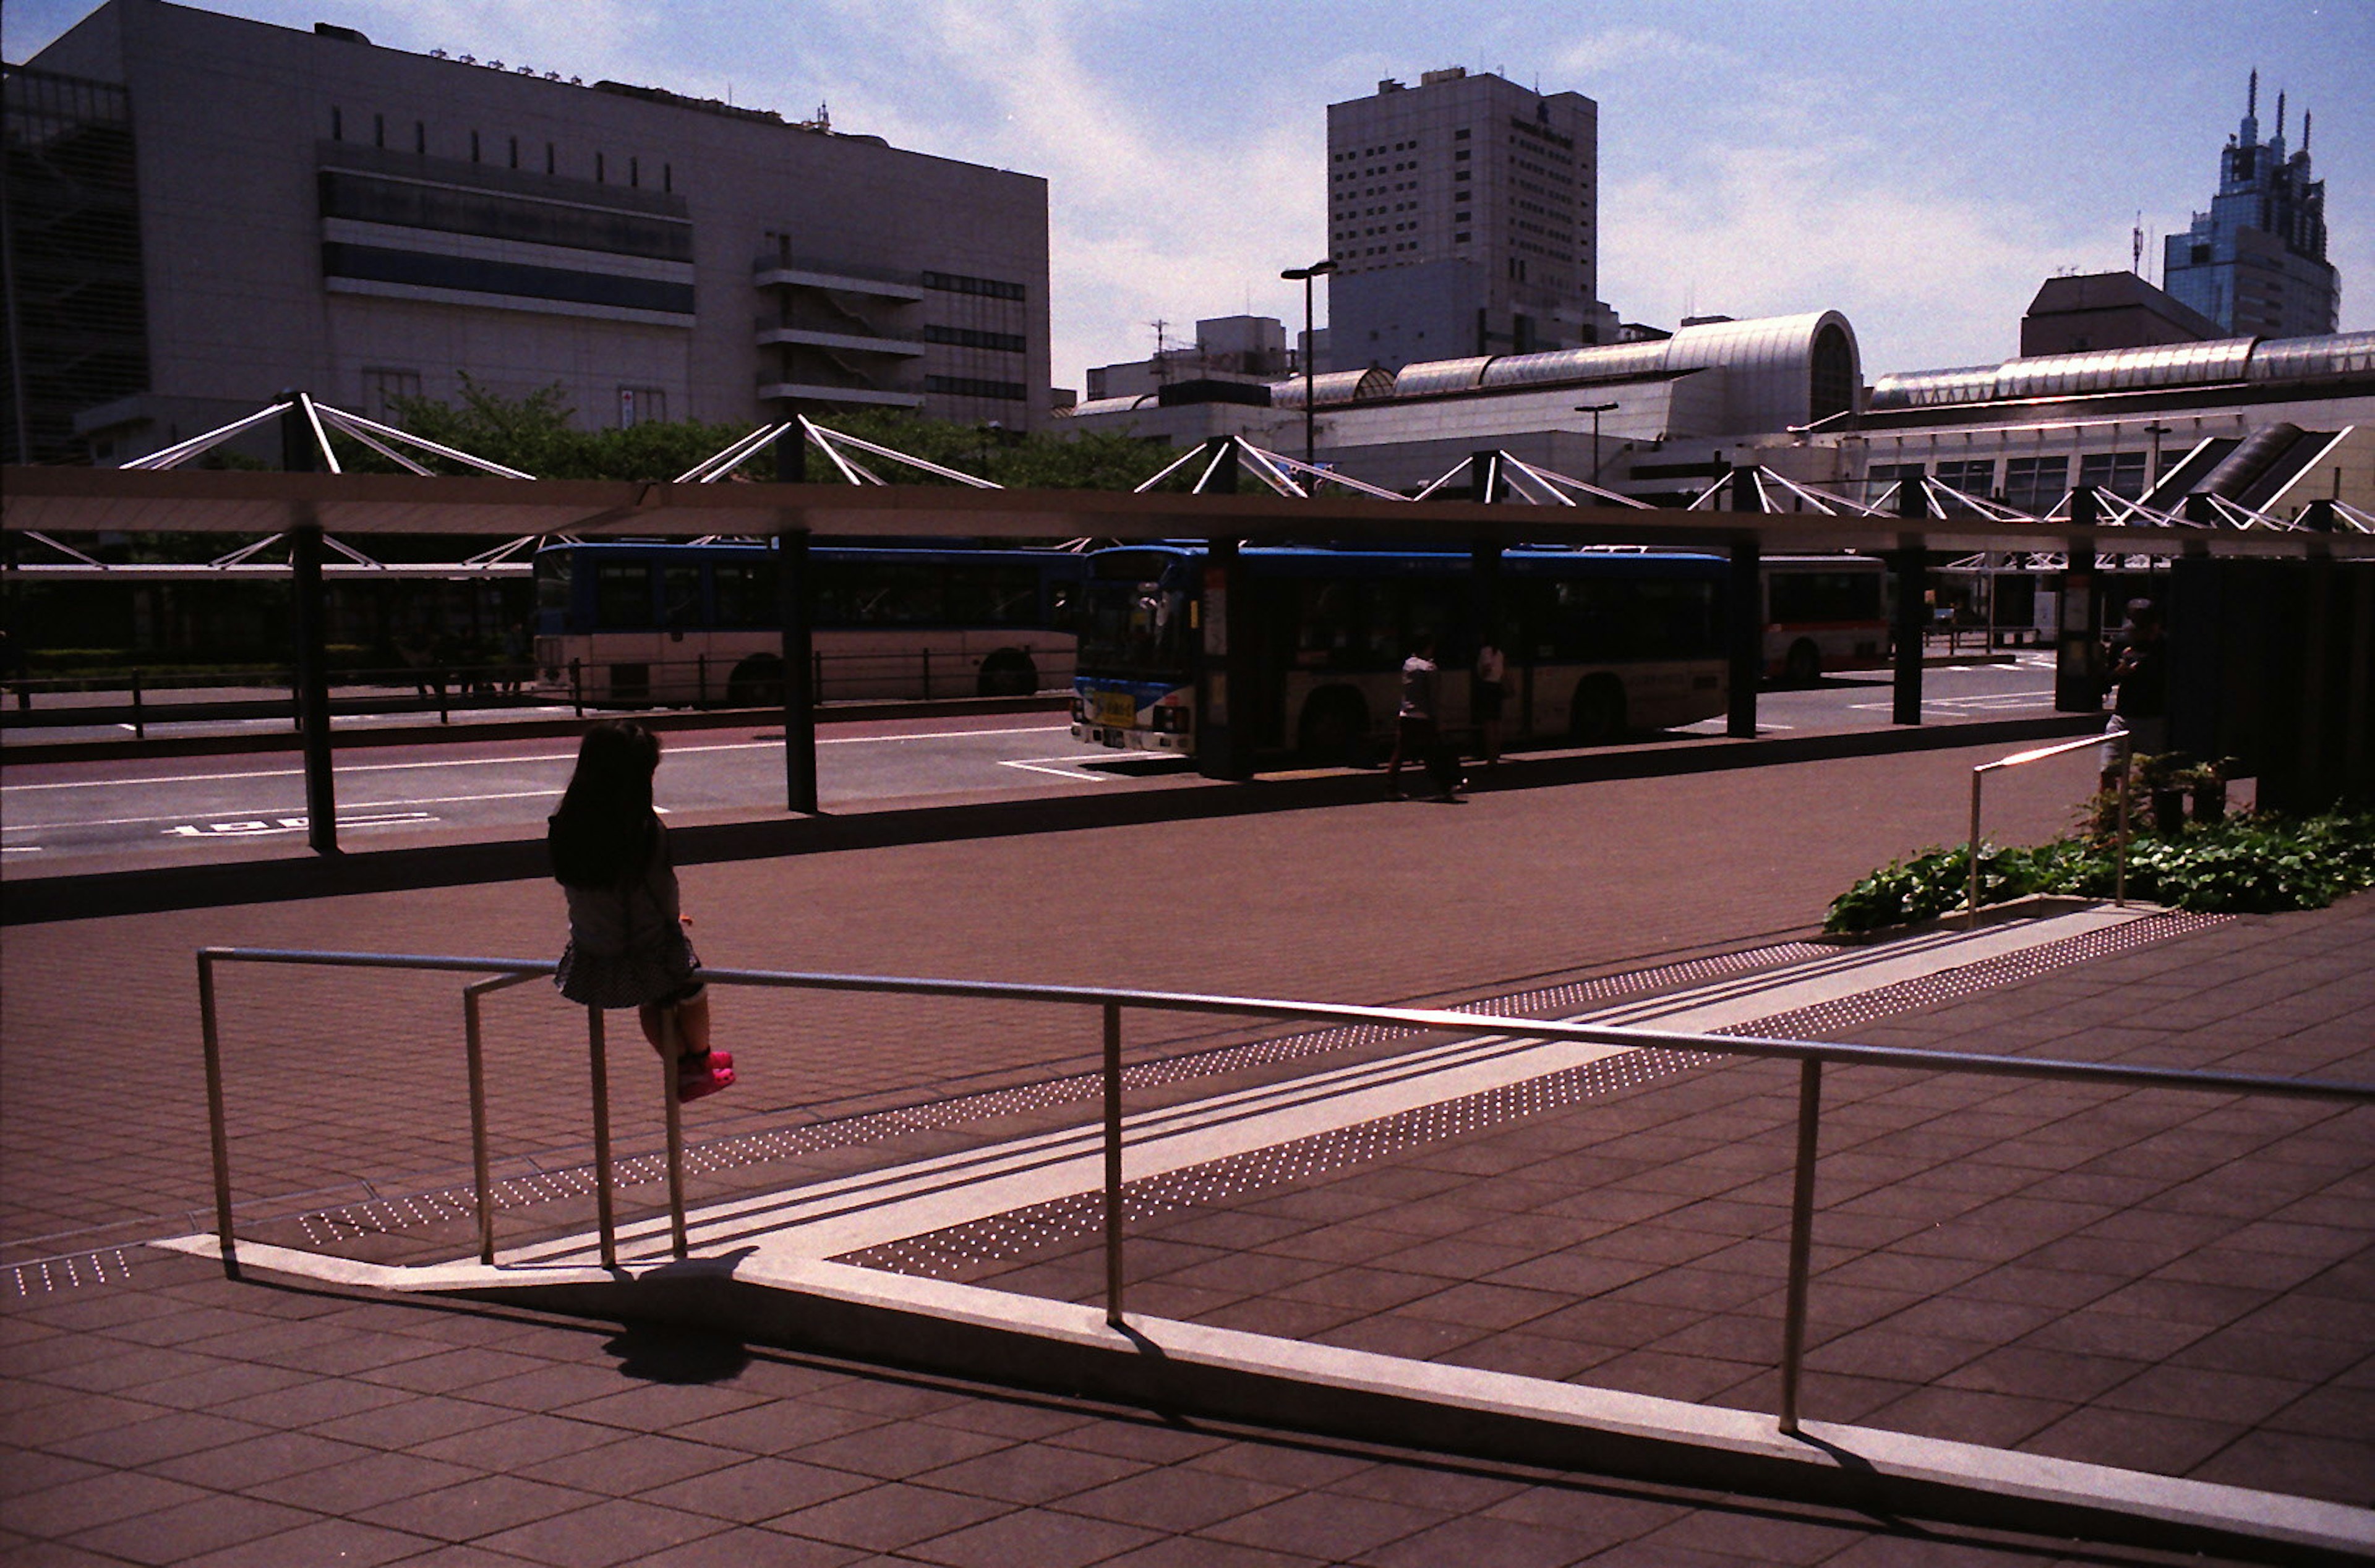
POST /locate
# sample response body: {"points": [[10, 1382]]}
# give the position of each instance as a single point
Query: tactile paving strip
{"points": [[999, 1238], [1017, 1234], [1826, 1019], [69, 1271], [326, 1226]]}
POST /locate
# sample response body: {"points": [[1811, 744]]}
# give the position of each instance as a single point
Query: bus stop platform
{"points": [[2130, 1281]]}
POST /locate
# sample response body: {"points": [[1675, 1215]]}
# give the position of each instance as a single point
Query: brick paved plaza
{"points": [[2171, 1283]]}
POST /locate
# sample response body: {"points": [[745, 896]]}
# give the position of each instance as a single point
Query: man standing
{"points": [[1415, 733]]}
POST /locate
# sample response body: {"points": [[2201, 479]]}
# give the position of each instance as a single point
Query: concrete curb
{"points": [[1216, 1373]]}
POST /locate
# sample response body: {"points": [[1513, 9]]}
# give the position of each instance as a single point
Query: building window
{"points": [[474, 146], [969, 338], [598, 169], [641, 405], [2120, 473], [1972, 476], [667, 177], [379, 130], [971, 386], [991, 288], [551, 158], [2036, 484], [635, 173], [384, 388], [1459, 135], [337, 125], [421, 138], [514, 149]]}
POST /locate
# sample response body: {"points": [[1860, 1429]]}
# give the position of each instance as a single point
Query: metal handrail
{"points": [[2120, 741], [1811, 1055]]}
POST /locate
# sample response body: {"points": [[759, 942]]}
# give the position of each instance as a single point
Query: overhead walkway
{"points": [[845, 1264]]}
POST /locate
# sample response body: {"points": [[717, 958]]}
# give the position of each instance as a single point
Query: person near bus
{"points": [[1488, 686], [1416, 733], [2140, 671], [627, 945]]}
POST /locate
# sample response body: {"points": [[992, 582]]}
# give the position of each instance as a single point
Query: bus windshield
{"points": [[1134, 627]]}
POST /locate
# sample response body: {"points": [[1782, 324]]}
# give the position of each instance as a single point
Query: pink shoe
{"points": [[707, 1079]]}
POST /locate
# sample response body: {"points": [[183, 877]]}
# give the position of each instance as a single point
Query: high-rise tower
{"points": [[2255, 262], [1463, 219]]}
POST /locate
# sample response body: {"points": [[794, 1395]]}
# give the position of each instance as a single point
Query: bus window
{"points": [[552, 584], [1003, 596], [622, 595], [744, 592], [681, 597]]}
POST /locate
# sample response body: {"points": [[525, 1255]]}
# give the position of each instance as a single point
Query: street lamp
{"points": [[2155, 429], [1305, 275], [1595, 410]]}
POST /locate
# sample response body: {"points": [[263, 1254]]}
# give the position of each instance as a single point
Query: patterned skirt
{"points": [[627, 980]]}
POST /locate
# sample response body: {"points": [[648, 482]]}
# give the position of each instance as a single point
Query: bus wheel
{"points": [[1009, 673], [1335, 726], [757, 681], [1804, 665], [1598, 716]]}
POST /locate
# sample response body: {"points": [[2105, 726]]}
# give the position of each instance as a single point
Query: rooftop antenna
{"points": [[2136, 245], [2304, 133], [1162, 366], [2251, 104], [2280, 116]]}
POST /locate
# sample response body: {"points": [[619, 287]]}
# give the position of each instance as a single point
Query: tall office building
{"points": [[1463, 219], [205, 210], [2255, 263]]}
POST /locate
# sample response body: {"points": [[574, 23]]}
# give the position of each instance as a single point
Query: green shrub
{"points": [[2247, 863]]}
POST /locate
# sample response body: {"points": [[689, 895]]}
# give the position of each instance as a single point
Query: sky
{"points": [[1920, 165]]}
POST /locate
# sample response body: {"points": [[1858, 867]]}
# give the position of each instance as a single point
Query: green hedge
{"points": [[2248, 863]]}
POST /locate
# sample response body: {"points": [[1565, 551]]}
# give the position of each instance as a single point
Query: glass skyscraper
{"points": [[2255, 263]]}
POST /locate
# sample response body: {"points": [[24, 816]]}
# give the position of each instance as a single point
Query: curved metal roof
{"points": [[2315, 358], [1441, 375], [1601, 361], [1336, 386], [2262, 361], [1125, 405], [1768, 364]]}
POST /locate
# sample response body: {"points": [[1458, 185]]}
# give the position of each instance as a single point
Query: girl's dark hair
{"points": [[603, 832]]}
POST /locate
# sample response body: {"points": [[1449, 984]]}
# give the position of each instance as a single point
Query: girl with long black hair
{"points": [[627, 945]]}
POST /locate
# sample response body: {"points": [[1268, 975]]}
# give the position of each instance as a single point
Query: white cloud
{"points": [[1144, 221]]}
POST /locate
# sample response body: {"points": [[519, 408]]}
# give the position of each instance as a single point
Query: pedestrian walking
{"points": [[627, 945], [1416, 733]]}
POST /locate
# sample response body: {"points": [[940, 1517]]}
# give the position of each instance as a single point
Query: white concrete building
{"points": [[314, 211], [1463, 219]]}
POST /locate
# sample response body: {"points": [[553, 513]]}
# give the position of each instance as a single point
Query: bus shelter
{"points": [[2273, 639]]}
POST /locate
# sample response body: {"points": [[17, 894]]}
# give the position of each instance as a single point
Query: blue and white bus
{"points": [[631, 623], [1597, 644]]}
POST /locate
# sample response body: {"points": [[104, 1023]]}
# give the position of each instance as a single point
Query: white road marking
{"points": [[343, 816], [1037, 765], [517, 762], [20, 849]]}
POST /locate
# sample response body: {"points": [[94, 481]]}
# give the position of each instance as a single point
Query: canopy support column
{"points": [[1746, 598], [301, 453]]}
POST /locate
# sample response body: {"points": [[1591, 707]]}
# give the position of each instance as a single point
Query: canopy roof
{"points": [[236, 501]]}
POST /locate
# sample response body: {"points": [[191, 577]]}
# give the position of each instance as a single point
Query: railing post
{"points": [[1971, 909], [1802, 1236], [671, 1054], [475, 1055], [701, 680], [444, 708], [816, 671], [216, 1131], [2120, 861], [605, 1178], [1113, 1163], [927, 654], [578, 686], [139, 721]]}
